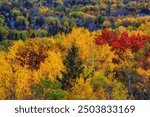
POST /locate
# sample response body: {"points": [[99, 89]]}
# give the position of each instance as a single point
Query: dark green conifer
{"points": [[74, 67]]}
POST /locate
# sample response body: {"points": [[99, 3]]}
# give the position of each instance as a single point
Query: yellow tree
{"points": [[81, 90], [14, 79]]}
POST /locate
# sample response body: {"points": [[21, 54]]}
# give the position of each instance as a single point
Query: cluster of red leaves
{"points": [[122, 41]]}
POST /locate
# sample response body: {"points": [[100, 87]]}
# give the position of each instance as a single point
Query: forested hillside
{"points": [[75, 49], [20, 19]]}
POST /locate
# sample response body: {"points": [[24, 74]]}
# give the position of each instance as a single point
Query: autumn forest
{"points": [[74, 50]]}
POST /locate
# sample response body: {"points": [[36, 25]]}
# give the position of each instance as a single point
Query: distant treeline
{"points": [[21, 19]]}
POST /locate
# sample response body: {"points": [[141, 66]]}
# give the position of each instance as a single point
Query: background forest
{"points": [[75, 49]]}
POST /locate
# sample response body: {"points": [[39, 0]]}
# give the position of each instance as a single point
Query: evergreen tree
{"points": [[74, 67]]}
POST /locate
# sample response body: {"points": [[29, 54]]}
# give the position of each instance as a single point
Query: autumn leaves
{"points": [[80, 65]]}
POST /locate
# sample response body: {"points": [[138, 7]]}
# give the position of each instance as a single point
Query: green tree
{"points": [[15, 35], [4, 45], [48, 89], [74, 67], [24, 35], [16, 13], [3, 32], [1, 21], [99, 21]]}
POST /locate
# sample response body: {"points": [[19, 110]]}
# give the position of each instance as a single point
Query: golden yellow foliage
{"points": [[145, 27], [25, 64], [119, 91], [52, 66], [23, 82], [127, 60], [83, 39], [144, 73], [6, 79], [14, 80], [103, 58], [100, 94], [82, 90], [107, 24], [43, 10]]}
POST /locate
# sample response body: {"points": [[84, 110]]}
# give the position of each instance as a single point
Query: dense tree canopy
{"points": [[75, 49]]}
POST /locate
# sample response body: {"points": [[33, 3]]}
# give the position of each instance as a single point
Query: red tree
{"points": [[122, 41]]}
